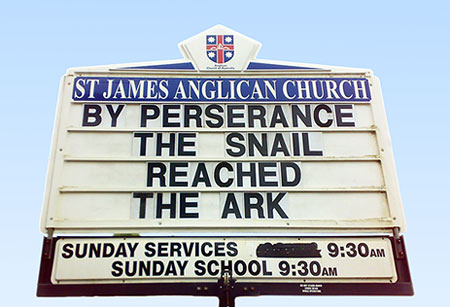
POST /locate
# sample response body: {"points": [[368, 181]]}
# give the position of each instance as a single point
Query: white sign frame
{"points": [[55, 216]]}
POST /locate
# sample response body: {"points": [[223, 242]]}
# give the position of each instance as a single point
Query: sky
{"points": [[405, 43]]}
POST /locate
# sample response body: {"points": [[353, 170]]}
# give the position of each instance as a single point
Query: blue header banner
{"points": [[220, 89]]}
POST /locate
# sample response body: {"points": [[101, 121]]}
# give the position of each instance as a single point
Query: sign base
{"points": [[227, 287]]}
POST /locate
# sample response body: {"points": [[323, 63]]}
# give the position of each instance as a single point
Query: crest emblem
{"points": [[220, 48]]}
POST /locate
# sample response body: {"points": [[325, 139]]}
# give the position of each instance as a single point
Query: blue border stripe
{"points": [[183, 66], [256, 66], [251, 66]]}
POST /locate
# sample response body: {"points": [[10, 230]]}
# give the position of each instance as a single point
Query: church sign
{"points": [[222, 143]]}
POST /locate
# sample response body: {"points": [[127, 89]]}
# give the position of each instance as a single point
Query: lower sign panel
{"points": [[198, 265]]}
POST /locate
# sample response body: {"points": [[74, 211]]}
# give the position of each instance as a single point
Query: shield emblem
{"points": [[220, 48]]}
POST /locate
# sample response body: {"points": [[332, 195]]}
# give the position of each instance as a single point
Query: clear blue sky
{"points": [[406, 44]]}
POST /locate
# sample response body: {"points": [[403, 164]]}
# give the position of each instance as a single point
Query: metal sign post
{"points": [[222, 143]]}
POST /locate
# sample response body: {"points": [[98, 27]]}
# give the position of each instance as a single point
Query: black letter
{"points": [[143, 136], [306, 150], [239, 146], [143, 202], [114, 115], [145, 116], [185, 204], [117, 269], [160, 144], [67, 251], [88, 114], [252, 116], [279, 145], [272, 204], [340, 115], [201, 175], [219, 182], [196, 116], [167, 115], [297, 176], [241, 173], [278, 117], [231, 115], [263, 174], [170, 206], [150, 249], [173, 174], [317, 117], [231, 206], [217, 117], [254, 142], [296, 113], [232, 249], [152, 174], [258, 205], [199, 268], [182, 143]]}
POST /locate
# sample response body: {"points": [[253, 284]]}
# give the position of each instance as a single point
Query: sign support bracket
{"points": [[398, 244], [226, 286], [48, 244]]}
